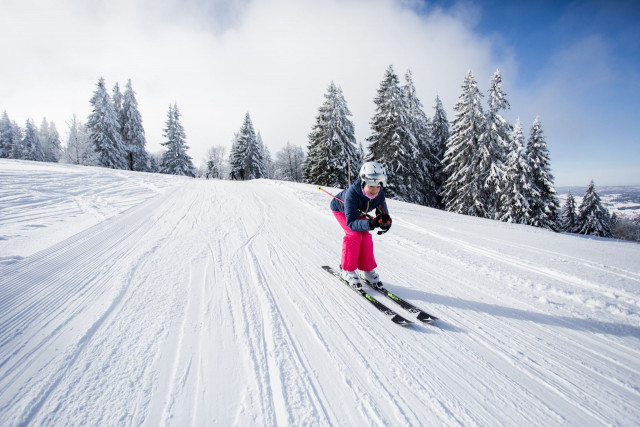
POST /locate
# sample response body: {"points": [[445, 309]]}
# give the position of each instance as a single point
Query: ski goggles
{"points": [[374, 180]]}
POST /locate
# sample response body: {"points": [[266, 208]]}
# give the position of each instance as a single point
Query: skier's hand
{"points": [[376, 222], [385, 223]]}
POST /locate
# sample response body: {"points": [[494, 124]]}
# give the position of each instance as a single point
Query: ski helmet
{"points": [[373, 174]]}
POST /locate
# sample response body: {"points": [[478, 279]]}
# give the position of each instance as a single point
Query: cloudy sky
{"points": [[576, 65]]}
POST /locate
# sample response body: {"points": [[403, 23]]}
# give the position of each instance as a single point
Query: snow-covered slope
{"points": [[130, 298]]}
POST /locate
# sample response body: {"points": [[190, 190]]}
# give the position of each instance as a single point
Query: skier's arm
{"points": [[351, 213]]}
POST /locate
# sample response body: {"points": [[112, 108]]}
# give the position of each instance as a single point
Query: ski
{"points": [[395, 317], [423, 316]]}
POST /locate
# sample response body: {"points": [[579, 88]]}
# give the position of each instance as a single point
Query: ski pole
{"points": [[322, 189]]}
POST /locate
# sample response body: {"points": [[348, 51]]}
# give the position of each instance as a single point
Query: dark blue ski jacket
{"points": [[356, 205]]}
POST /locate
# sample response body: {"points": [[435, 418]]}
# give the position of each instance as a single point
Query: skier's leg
{"points": [[350, 244], [366, 258]]}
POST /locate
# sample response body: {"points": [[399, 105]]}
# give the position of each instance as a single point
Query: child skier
{"points": [[364, 195]]}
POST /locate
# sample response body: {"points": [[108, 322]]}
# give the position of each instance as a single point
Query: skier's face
{"points": [[371, 191]]}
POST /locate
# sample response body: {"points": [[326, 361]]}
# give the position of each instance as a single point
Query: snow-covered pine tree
{"points": [[104, 130], [593, 218], [332, 148], [439, 137], [360, 152], [237, 157], [133, 132], [153, 164], [7, 136], [568, 216], [51, 145], [17, 149], [43, 134], [517, 189], [175, 161], [495, 143], [246, 157], [263, 152], [31, 145], [117, 105], [426, 189], [79, 150], [464, 190], [257, 162], [543, 209], [269, 167], [392, 142]]}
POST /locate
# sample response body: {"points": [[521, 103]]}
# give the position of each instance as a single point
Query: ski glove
{"points": [[375, 222], [386, 222], [383, 221]]}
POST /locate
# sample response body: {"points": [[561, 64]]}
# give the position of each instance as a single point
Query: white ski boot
{"points": [[352, 278], [371, 277]]}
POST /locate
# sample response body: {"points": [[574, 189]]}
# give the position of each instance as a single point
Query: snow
{"points": [[133, 298]]}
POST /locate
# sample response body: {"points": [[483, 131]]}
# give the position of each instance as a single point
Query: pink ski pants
{"points": [[357, 247]]}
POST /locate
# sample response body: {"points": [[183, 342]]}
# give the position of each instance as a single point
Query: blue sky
{"points": [[573, 64], [593, 49]]}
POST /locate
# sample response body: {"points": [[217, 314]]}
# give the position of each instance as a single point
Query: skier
{"points": [[350, 208]]}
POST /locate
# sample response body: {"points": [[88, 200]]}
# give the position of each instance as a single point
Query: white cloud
{"points": [[272, 58]]}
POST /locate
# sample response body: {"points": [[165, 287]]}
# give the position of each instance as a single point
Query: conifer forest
{"points": [[476, 163]]}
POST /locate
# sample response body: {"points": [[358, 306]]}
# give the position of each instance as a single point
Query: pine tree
{"points": [[464, 190], [132, 131], [495, 144], [360, 152], [43, 134], [593, 218], [568, 217], [269, 167], [332, 152], [79, 150], [237, 158], [31, 145], [51, 144], [256, 159], [543, 208], [246, 157], [17, 150], [266, 155], [117, 106], [175, 160], [517, 189], [8, 137], [439, 137], [425, 165], [392, 142], [104, 130], [154, 167]]}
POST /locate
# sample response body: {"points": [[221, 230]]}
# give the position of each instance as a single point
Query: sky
{"points": [[575, 65]]}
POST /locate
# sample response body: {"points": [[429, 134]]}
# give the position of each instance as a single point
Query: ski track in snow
{"points": [[138, 299]]}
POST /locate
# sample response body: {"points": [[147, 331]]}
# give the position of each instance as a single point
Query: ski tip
{"points": [[400, 320]]}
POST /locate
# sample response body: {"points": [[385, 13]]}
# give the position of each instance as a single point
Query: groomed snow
{"points": [[130, 298]]}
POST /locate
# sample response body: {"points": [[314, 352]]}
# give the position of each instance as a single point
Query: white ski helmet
{"points": [[373, 174]]}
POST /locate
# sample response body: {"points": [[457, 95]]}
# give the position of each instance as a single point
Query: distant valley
{"points": [[623, 200]]}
